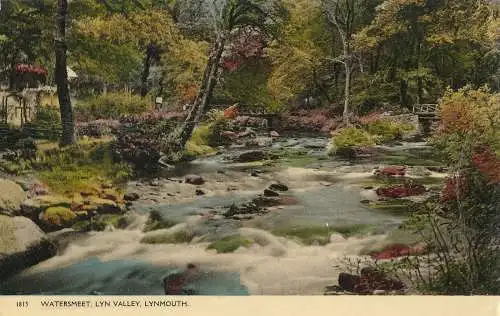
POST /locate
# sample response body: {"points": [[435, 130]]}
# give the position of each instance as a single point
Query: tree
{"points": [[298, 55], [227, 16], [61, 75], [344, 15], [26, 34]]}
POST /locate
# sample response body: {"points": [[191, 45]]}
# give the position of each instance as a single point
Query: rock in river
{"points": [[278, 187], [22, 245], [268, 192], [252, 155], [194, 179], [131, 196], [11, 197]]}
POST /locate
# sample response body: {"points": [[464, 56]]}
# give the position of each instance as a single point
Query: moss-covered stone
{"points": [[320, 235], [168, 237], [156, 222], [58, 216], [230, 244]]}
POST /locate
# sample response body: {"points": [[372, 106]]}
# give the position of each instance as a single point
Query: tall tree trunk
{"points": [[403, 93], [347, 92], [61, 76], [204, 93], [145, 72], [419, 78]]}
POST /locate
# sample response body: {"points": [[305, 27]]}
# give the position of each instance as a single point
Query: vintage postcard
{"points": [[248, 148]]}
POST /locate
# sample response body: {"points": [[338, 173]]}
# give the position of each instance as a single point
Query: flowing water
{"points": [[325, 193]]}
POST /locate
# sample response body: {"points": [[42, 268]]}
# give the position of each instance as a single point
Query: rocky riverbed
{"points": [[272, 217]]}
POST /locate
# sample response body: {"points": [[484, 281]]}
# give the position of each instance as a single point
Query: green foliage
{"points": [[113, 105], [298, 55], [248, 84], [230, 244], [388, 130], [352, 137], [208, 135], [468, 118]]}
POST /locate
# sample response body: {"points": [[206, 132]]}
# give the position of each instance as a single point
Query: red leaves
{"points": [[26, 68], [454, 186], [393, 171], [488, 163], [398, 250], [231, 64], [401, 191]]}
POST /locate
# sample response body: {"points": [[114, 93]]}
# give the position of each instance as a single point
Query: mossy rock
{"points": [[58, 216], [168, 237], [157, 222], [320, 235], [33, 207], [230, 244], [196, 150], [350, 137]]}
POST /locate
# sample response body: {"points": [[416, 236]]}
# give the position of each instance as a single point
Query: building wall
{"points": [[50, 100]]}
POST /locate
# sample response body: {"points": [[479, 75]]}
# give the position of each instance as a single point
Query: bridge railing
{"points": [[425, 108]]}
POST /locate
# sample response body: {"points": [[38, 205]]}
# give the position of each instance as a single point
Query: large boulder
{"points": [[11, 197], [22, 244]]}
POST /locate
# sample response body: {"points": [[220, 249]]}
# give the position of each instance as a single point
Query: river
{"points": [[324, 192]]}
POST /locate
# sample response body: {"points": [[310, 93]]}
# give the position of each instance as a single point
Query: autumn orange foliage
{"points": [[231, 112]]}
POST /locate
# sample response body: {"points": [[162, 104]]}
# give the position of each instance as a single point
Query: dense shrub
{"points": [[112, 105], [10, 135], [471, 116], [351, 137], [388, 130], [98, 128]]}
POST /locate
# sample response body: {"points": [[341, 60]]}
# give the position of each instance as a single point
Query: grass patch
{"points": [[180, 237], [230, 244], [81, 168]]}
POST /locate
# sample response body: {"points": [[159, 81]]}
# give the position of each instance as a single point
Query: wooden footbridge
{"points": [[427, 114], [429, 111]]}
